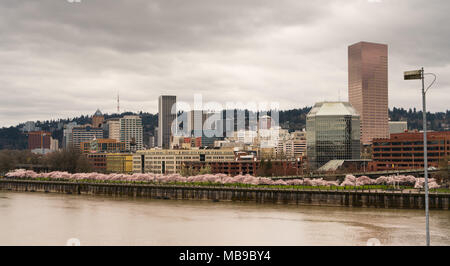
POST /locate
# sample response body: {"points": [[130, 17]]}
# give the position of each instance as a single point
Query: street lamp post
{"points": [[420, 74]]}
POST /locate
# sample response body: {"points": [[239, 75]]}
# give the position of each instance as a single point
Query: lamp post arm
{"points": [[432, 83]]}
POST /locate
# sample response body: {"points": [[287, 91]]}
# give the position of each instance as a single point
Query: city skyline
{"points": [[225, 52], [222, 124]]}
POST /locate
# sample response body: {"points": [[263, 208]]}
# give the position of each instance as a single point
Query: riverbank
{"points": [[335, 198]]}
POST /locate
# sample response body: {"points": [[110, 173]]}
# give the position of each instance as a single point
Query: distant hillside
{"points": [[435, 121], [295, 119], [13, 138]]}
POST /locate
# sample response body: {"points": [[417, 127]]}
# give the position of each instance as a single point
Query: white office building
{"points": [[114, 129], [131, 132]]}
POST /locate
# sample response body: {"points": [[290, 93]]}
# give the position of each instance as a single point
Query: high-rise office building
{"points": [[332, 133], [131, 132], [114, 128], [151, 142], [54, 144], [155, 133], [166, 104], [85, 133], [212, 128], [195, 120], [265, 122], [368, 88], [68, 135]]}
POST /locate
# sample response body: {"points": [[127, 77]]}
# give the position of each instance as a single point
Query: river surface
{"points": [[52, 219]]}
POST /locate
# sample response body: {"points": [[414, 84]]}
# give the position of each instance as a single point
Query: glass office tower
{"points": [[332, 133], [368, 88]]}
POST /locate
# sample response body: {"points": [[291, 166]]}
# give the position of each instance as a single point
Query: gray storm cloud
{"points": [[60, 59]]}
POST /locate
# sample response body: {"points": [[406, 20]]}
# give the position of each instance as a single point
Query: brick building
{"points": [[39, 140], [98, 161], [405, 150], [233, 168]]}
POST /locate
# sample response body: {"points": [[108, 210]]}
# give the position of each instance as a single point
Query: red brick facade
{"points": [[405, 150], [39, 140], [279, 168], [98, 161]]}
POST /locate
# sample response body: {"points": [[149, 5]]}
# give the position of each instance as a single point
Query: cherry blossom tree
{"points": [[350, 180]]}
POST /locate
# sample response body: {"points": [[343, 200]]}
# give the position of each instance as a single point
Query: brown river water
{"points": [[53, 219]]}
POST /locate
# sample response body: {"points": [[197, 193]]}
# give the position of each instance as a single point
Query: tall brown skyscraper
{"points": [[368, 88], [165, 119]]}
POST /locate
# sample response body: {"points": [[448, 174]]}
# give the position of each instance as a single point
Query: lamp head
{"points": [[414, 74]]}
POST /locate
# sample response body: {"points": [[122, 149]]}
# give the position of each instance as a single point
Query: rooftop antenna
{"points": [[118, 103], [339, 94]]}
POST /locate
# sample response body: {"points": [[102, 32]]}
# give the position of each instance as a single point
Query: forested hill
{"points": [[13, 138], [435, 121]]}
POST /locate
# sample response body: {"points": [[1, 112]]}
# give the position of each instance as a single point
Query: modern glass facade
{"points": [[68, 135], [119, 163], [368, 88], [332, 132]]}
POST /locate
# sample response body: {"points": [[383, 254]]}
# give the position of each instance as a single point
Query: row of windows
{"points": [[176, 162], [432, 148], [407, 160], [180, 156], [433, 142], [442, 154]]}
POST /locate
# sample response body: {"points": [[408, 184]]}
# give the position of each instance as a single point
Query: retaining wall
{"points": [[219, 193]]}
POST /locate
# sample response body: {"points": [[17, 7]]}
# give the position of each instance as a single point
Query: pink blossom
{"points": [[280, 182], [265, 181], [364, 181], [349, 180], [420, 183]]}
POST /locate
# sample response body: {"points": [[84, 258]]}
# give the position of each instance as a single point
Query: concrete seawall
{"points": [[397, 200]]}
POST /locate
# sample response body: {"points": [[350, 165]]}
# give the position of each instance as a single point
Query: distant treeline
{"points": [[295, 119], [63, 160]]}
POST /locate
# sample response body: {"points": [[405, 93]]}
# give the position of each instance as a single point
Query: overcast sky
{"points": [[60, 59]]}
